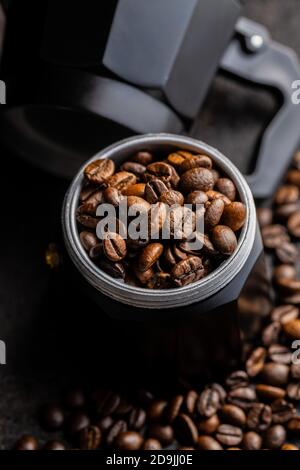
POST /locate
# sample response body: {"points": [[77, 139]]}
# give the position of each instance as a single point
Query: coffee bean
{"points": [[280, 354], [275, 374], [122, 180], [196, 197], [293, 391], [293, 177], [54, 445], [271, 333], [259, 417], [269, 392], [187, 271], [293, 426], [213, 213], [226, 187], [117, 428], [283, 212], [163, 433], [159, 170], [252, 441], [287, 271], [289, 447], [234, 215], [209, 425], [87, 221], [112, 196], [26, 442], [137, 190], [133, 167], [115, 270], [173, 408], [274, 235], [98, 171], [74, 398], [234, 415], [154, 189], [295, 371], [87, 191], [197, 179], [186, 430], [284, 313], [52, 417], [242, 397], [104, 424], [286, 194], [190, 400], [91, 203], [137, 418], [213, 195], [210, 400], [156, 410], [292, 329], [77, 421], [149, 255], [208, 443], [237, 379], [264, 216], [129, 440], [255, 362], [107, 402], [282, 411], [229, 435], [224, 239], [195, 161], [151, 444], [89, 438], [143, 157], [114, 247], [287, 253], [275, 436], [124, 408], [293, 224], [172, 198], [177, 158]]}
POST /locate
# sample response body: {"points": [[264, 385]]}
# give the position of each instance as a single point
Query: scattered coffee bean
{"points": [[89, 438], [275, 436], [229, 435], [186, 430], [275, 374], [208, 443], [259, 417], [129, 440], [163, 433], [255, 362], [234, 415], [151, 444], [209, 425], [252, 441]]}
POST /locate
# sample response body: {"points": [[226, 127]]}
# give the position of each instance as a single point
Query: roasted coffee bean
{"points": [[279, 354], [234, 215], [122, 180], [197, 179], [293, 177], [275, 374], [117, 428], [210, 401], [74, 398], [242, 397], [114, 247], [286, 271], [107, 402], [252, 441], [213, 214], [177, 158], [195, 161], [271, 333], [181, 222], [224, 239], [196, 197], [293, 426], [87, 221], [52, 417], [284, 211], [234, 415], [190, 400], [226, 187], [187, 271], [137, 190], [255, 362], [149, 255], [104, 424], [26, 442], [173, 408], [208, 443], [87, 191], [289, 447], [282, 411], [156, 410], [296, 160], [275, 436], [98, 171], [274, 235], [77, 421], [151, 444], [293, 224], [172, 198], [144, 277], [287, 253], [186, 430], [123, 408], [129, 440], [137, 418], [163, 433], [229, 435], [91, 203], [209, 425], [269, 392], [115, 270], [159, 170], [286, 194], [90, 438], [137, 205], [293, 391], [237, 379], [259, 417], [284, 313], [213, 195], [112, 196], [265, 216], [154, 189], [295, 371], [143, 157], [292, 328], [54, 445], [133, 167]]}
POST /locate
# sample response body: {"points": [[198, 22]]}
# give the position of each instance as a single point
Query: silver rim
{"points": [[170, 298]]}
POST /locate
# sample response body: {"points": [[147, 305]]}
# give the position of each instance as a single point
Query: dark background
{"points": [[51, 336]]}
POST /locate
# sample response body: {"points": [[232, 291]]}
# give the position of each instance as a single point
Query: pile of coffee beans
{"points": [[254, 408], [192, 187]]}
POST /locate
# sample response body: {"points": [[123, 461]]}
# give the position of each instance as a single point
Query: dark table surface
{"points": [[50, 337]]}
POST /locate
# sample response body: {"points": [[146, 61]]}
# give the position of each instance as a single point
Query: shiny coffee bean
{"points": [[256, 361], [99, 171], [292, 329], [163, 433], [196, 197], [156, 410], [268, 392], [52, 417], [259, 417], [284, 313], [208, 443], [234, 415], [112, 196], [122, 180], [229, 435], [129, 440], [186, 430], [224, 239], [282, 411], [289, 447], [197, 179], [159, 170], [213, 214], [242, 397], [209, 425], [287, 253], [104, 424], [293, 391], [287, 194], [237, 379], [26, 442], [117, 428], [271, 333], [190, 400], [275, 374], [275, 436], [274, 235], [142, 157], [151, 444], [133, 167], [293, 224], [234, 215], [280, 354], [187, 271], [226, 187], [149, 255], [89, 438], [252, 441], [137, 418], [173, 408], [115, 270], [287, 271], [114, 247], [264, 216], [195, 161], [172, 197]]}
